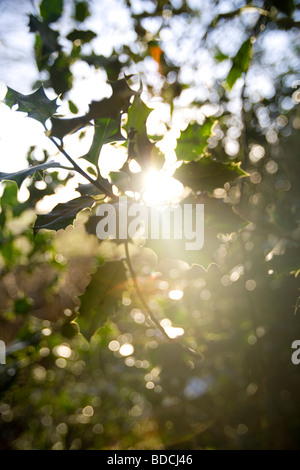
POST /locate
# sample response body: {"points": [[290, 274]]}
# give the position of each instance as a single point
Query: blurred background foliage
{"points": [[237, 64]]}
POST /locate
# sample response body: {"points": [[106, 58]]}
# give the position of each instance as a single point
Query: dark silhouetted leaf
{"points": [[207, 175], [112, 107], [72, 107], [101, 297], [139, 145], [37, 105], [63, 214], [20, 176], [81, 11], [82, 36], [107, 108]]}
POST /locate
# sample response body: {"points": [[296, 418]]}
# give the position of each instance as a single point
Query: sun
{"points": [[161, 188]]}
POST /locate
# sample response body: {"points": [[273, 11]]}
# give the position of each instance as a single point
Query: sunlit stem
{"points": [[151, 315], [79, 170]]}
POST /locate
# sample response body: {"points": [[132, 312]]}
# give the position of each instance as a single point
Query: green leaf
{"points": [[22, 305], [193, 140], [137, 116], [20, 176], [107, 130], [48, 38], [81, 11], [206, 174], [62, 127], [37, 105], [139, 145], [286, 6], [107, 108], [63, 214], [240, 63], [82, 36], [51, 10], [112, 107], [222, 216], [8, 201], [101, 297], [121, 179], [219, 56], [91, 190], [72, 106], [112, 64]]}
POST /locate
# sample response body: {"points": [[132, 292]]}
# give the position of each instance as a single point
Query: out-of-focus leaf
{"points": [[9, 201], [112, 64], [240, 63], [51, 10], [37, 105], [72, 107], [207, 175], [48, 37], [219, 56], [82, 36], [63, 214], [20, 176], [22, 305], [286, 6], [101, 297], [81, 11], [193, 140], [61, 77], [285, 263], [219, 218]]}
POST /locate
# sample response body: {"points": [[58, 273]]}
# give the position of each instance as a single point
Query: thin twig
{"points": [[152, 316], [79, 170]]}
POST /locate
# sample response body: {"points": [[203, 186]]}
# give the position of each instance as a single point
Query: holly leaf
{"points": [[219, 218], [206, 174], [139, 145], [82, 36], [51, 10], [108, 108], [9, 202], [121, 179], [63, 214], [20, 176], [48, 38], [101, 297], [240, 63], [112, 107], [137, 115], [37, 105], [107, 130], [193, 140]]}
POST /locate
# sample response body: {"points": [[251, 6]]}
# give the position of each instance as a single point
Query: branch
{"points": [[152, 316], [79, 170]]}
